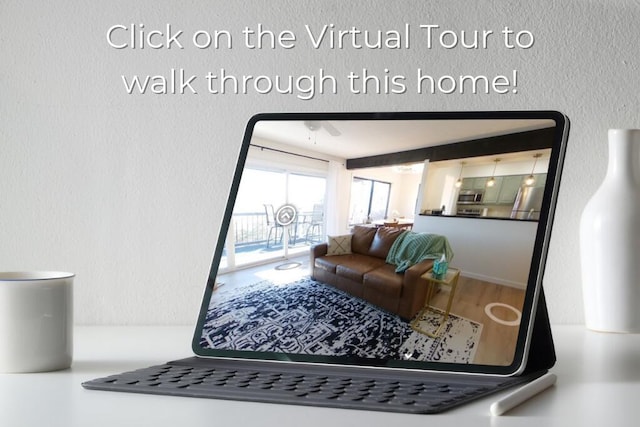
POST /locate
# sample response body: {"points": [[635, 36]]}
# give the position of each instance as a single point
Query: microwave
{"points": [[470, 197]]}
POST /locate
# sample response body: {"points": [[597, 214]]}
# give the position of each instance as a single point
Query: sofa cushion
{"points": [[355, 266], [328, 263], [383, 240], [361, 239], [384, 280]]}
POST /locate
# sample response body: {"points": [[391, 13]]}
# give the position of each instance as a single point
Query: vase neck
{"points": [[624, 155]]}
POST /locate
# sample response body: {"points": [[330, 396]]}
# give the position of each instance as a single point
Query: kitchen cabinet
{"points": [[491, 193], [480, 183], [541, 179], [467, 184], [509, 189]]}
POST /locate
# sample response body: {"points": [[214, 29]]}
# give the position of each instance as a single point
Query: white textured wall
{"points": [[128, 191]]}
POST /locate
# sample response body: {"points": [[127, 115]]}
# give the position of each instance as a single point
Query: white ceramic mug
{"points": [[36, 321]]}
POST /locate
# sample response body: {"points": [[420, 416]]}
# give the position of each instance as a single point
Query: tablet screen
{"points": [[409, 240]]}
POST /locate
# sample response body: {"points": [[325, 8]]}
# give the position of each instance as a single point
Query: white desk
{"points": [[598, 385]]}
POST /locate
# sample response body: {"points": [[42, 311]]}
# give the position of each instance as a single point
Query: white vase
{"points": [[610, 240]]}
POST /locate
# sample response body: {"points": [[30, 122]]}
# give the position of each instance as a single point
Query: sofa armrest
{"points": [[413, 283], [414, 289], [417, 270], [319, 250], [316, 251]]}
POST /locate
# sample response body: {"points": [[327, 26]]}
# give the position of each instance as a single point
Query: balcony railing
{"points": [[251, 230]]}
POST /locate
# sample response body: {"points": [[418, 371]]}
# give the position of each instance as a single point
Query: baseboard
{"points": [[496, 280]]}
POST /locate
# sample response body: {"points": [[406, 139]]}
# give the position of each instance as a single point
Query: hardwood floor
{"points": [[472, 296]]}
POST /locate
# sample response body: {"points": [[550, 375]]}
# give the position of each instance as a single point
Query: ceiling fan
{"points": [[315, 126]]}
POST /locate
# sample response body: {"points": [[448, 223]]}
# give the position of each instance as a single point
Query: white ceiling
{"points": [[374, 137]]}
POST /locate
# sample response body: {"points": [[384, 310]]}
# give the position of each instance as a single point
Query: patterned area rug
{"points": [[308, 317]]}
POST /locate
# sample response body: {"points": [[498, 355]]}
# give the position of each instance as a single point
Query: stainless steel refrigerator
{"points": [[528, 203]]}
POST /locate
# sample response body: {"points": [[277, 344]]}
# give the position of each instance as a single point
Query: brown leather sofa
{"points": [[365, 274]]}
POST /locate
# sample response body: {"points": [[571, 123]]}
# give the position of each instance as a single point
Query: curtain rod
{"points": [[262, 147]]}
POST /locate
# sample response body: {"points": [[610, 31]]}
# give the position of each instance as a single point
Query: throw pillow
{"points": [[339, 245]]}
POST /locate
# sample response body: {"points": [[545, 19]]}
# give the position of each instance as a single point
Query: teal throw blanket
{"points": [[410, 248]]}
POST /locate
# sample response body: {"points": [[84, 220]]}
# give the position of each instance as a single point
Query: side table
{"points": [[450, 280]]}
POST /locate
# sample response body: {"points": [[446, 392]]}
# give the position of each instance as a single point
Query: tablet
{"points": [[393, 241]]}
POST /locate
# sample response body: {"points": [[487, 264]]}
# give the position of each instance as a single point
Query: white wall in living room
{"points": [[128, 190], [492, 250]]}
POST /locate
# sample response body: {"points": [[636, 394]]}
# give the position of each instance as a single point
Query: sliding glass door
{"points": [[279, 213], [307, 194]]}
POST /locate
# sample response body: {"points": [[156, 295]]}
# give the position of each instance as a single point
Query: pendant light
{"points": [[492, 181], [459, 181], [530, 180]]}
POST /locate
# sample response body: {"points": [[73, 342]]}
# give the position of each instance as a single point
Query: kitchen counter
{"points": [[480, 217]]}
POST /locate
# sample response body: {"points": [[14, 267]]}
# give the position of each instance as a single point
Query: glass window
{"points": [[369, 200]]}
